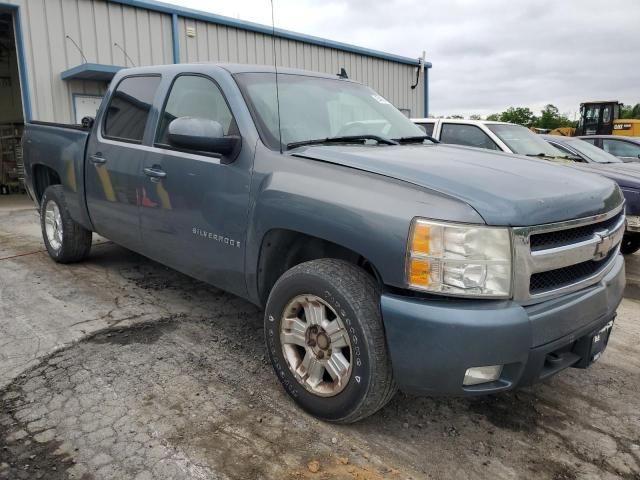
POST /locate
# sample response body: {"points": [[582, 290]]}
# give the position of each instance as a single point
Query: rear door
{"points": [[114, 160], [194, 205]]}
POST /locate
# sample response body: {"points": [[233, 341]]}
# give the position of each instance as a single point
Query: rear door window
{"points": [[129, 108], [468, 135]]}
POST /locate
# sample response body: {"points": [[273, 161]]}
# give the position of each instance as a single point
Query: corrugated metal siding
{"points": [[95, 25], [146, 36], [218, 43]]}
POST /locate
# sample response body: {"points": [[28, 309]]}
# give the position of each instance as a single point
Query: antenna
{"points": [[79, 49], [125, 54], [275, 66]]}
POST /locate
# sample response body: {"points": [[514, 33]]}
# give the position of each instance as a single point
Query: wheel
{"points": [[326, 341], [65, 240], [630, 244]]}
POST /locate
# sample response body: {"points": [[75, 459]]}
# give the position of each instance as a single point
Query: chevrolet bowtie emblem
{"points": [[603, 245]]}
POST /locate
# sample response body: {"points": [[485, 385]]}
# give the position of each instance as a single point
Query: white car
{"points": [[501, 136]]}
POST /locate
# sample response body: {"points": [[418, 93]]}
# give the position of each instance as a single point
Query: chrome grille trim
{"points": [[527, 262]]}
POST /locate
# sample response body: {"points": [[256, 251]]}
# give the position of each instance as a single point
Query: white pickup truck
{"points": [[500, 136]]}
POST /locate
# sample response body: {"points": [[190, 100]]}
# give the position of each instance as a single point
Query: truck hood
{"points": [[504, 189], [624, 174]]}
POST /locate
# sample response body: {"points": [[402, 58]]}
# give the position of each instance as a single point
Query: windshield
{"points": [[317, 108], [592, 152], [523, 141]]}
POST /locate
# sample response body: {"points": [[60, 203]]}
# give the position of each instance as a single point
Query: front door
{"points": [[194, 205], [114, 161], [623, 149]]}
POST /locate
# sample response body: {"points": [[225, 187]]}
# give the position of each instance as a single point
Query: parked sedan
{"points": [[627, 175], [626, 149]]}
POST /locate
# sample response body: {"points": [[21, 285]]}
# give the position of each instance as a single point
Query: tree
{"points": [[494, 117], [456, 116], [551, 118], [628, 111], [475, 117], [520, 115], [625, 111]]}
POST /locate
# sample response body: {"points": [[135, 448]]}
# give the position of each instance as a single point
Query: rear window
{"points": [[129, 108]]}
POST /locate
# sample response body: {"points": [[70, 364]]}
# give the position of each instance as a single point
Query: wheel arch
{"points": [[282, 249], [43, 177]]}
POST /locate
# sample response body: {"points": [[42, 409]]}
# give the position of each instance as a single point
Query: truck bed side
{"points": [[54, 154]]}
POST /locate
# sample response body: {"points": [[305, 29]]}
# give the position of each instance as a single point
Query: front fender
{"points": [[367, 213]]}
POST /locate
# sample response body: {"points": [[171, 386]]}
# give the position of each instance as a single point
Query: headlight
{"points": [[467, 260]]}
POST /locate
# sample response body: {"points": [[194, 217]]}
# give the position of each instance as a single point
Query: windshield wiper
{"points": [[415, 139], [564, 158], [343, 139], [544, 155]]}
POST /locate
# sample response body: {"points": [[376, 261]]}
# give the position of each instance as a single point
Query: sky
{"points": [[487, 55]]}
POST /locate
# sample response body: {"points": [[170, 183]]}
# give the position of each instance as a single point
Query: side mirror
{"points": [[87, 122], [202, 135]]}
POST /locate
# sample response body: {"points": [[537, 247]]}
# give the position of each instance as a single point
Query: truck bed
{"points": [[55, 147]]}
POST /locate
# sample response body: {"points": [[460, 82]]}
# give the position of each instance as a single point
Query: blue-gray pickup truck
{"points": [[382, 259]]}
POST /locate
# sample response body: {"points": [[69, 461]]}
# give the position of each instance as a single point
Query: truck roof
{"points": [[232, 68]]}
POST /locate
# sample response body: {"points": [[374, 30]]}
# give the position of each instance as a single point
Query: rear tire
{"points": [[66, 241], [332, 305], [630, 244]]}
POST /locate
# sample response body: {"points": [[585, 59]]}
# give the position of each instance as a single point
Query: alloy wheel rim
{"points": [[316, 345], [53, 225]]}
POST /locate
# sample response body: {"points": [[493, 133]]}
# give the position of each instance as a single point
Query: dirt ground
{"points": [[119, 368]]}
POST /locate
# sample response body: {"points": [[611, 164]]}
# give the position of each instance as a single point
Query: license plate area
{"points": [[591, 347]]}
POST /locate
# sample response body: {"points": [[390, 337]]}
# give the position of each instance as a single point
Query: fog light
{"points": [[477, 375]]}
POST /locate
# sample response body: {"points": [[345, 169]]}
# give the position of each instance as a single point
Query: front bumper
{"points": [[433, 342]]}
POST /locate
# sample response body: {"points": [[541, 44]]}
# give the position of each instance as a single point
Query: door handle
{"points": [[97, 159], [154, 172]]}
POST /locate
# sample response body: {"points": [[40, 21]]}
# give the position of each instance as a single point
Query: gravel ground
{"points": [[140, 372]]}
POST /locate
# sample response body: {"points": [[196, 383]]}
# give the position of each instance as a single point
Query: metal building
{"points": [[110, 34], [58, 56]]}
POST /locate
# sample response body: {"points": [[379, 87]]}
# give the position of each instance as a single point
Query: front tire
{"points": [[326, 340], [66, 241], [630, 244]]}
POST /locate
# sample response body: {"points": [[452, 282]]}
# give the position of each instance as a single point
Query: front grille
{"points": [[560, 238], [561, 277]]}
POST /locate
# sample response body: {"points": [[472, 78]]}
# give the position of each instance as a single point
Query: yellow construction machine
{"points": [[601, 118]]}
